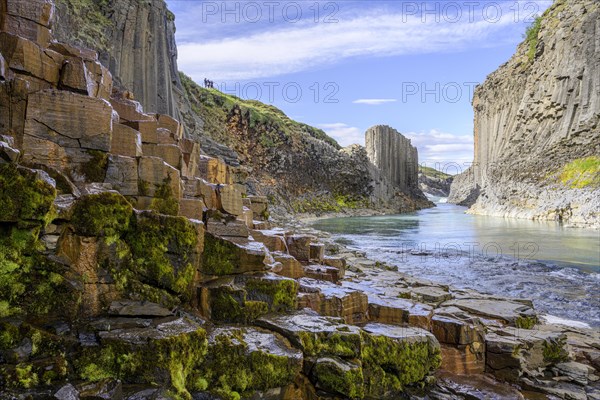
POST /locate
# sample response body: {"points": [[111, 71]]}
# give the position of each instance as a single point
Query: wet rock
{"points": [[335, 375], [299, 246], [430, 294], [322, 273], [317, 252], [130, 308], [67, 392], [287, 266], [336, 262], [273, 240], [106, 389], [510, 312], [576, 372], [264, 359], [225, 257], [333, 300]]}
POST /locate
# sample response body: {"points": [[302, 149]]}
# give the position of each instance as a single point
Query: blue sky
{"points": [[344, 66]]}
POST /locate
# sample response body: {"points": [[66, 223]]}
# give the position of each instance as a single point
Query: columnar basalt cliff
{"points": [[537, 124], [134, 267], [394, 155], [135, 41]]}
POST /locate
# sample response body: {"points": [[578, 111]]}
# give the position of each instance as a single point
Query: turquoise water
{"points": [[558, 268]]}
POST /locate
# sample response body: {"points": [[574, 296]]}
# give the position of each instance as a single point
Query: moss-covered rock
{"points": [[224, 257], [338, 376], [168, 355], [104, 214], [165, 251], [26, 195], [394, 357], [277, 292], [246, 359]]}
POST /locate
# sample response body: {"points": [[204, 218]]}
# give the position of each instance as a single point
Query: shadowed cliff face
{"points": [[534, 117], [135, 40]]}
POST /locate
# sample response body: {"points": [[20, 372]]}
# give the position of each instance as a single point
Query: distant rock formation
{"points": [[537, 116], [394, 155], [433, 182]]}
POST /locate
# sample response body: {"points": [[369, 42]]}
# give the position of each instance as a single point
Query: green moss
{"points": [[88, 21], [389, 365], [220, 257], [229, 304], [95, 168], [232, 368], [341, 344], [555, 350], [26, 378], [164, 202], [270, 125], [105, 214], [531, 37], [526, 321], [328, 203], [346, 381], [164, 252], [24, 196], [581, 173], [433, 173], [10, 336], [169, 360], [143, 187], [279, 294]]}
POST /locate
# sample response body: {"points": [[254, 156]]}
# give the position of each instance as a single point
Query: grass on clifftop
{"points": [[433, 173], [531, 37], [216, 107], [88, 21], [581, 173]]}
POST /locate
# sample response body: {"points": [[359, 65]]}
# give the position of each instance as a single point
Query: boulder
{"points": [[100, 79], [191, 157], [259, 206], [214, 170], [514, 313], [74, 51], [126, 141], [197, 187], [69, 119], [165, 136]]}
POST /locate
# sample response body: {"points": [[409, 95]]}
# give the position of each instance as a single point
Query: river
{"points": [[556, 267]]}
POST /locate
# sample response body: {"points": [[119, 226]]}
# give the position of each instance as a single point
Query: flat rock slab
{"points": [[505, 310], [162, 331], [334, 300], [131, 308]]}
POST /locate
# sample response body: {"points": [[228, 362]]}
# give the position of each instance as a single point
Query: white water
{"points": [[558, 268]]}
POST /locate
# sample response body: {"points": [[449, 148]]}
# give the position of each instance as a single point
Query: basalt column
{"points": [[394, 155]]}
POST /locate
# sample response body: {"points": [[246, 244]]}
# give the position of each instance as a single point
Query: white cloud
{"points": [[441, 149], [374, 102], [287, 48], [343, 133]]}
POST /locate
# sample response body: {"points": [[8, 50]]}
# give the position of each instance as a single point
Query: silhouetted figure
{"points": [[205, 82]]}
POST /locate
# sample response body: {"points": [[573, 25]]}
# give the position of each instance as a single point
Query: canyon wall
{"points": [[537, 124], [135, 41]]}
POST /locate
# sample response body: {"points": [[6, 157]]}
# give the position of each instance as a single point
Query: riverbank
{"points": [[497, 341]]}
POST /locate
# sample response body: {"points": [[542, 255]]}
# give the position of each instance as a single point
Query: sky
{"points": [[344, 66]]}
